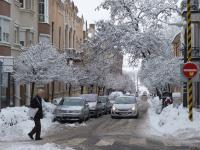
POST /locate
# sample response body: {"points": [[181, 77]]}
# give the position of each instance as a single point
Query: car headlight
{"points": [[113, 108], [133, 108]]}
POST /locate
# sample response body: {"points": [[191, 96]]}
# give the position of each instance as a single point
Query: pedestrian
{"points": [[36, 102]]}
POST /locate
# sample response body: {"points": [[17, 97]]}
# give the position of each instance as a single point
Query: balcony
{"points": [[195, 53], [194, 6], [73, 54]]}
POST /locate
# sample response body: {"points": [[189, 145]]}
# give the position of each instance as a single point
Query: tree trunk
{"points": [[91, 88], [32, 89], [47, 91], [82, 88], [52, 94], [88, 89], [70, 88], [99, 89]]}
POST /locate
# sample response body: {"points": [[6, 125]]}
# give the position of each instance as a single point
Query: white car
{"points": [[125, 106]]}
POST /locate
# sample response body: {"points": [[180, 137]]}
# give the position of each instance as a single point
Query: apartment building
{"points": [[26, 22]]}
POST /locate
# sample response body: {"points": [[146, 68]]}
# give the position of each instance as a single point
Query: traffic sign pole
{"points": [[189, 47]]}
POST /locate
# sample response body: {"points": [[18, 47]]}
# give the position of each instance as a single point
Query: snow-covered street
{"points": [[102, 133]]}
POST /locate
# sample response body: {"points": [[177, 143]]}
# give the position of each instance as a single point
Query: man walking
{"points": [[36, 102]]}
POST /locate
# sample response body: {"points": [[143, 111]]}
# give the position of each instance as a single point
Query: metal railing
{"points": [[195, 52], [194, 6]]}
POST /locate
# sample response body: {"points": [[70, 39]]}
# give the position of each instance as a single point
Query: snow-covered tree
{"points": [[119, 82], [160, 72], [42, 64], [134, 27]]}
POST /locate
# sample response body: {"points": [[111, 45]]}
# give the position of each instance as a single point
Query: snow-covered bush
{"points": [[13, 116]]}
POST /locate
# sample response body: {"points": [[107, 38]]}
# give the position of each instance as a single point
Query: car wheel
{"points": [[137, 116], [96, 114], [54, 120], [88, 117], [113, 117], [81, 120]]}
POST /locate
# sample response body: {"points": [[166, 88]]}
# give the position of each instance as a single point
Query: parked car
{"points": [[106, 104], [72, 108], [114, 95], [144, 93], [125, 106], [56, 101], [95, 105]]}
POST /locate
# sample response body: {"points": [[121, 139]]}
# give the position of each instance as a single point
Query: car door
{"points": [[100, 105], [86, 109]]}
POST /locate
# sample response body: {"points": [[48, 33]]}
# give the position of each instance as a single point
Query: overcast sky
{"points": [[87, 8]]}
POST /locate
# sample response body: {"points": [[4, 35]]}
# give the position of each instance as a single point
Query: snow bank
{"points": [[37, 147], [15, 123], [173, 121]]}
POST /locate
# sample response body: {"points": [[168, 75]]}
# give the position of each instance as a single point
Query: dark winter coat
{"points": [[36, 102]]}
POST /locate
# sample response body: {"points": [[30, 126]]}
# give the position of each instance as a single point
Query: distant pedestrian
{"points": [[168, 101], [36, 103]]}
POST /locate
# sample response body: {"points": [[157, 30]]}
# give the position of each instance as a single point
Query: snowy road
{"points": [[104, 134]]}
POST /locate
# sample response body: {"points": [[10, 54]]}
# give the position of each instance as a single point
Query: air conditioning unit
{"points": [[194, 6]]}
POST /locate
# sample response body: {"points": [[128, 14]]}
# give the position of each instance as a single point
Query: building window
{"points": [[31, 38], [0, 32], [43, 11], [4, 30], [26, 4], [59, 37], [22, 3], [16, 36], [52, 30], [22, 36]]}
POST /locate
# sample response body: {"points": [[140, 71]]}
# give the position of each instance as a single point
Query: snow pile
{"points": [[173, 121], [37, 147], [15, 123]]}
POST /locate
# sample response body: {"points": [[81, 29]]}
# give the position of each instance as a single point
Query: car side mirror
{"points": [[87, 105]]}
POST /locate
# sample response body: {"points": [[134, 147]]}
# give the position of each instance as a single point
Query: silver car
{"points": [[95, 105], [72, 108], [125, 106]]}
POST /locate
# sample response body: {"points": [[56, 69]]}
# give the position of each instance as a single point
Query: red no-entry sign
{"points": [[190, 70]]}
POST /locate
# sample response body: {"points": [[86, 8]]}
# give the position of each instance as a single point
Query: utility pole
{"points": [[185, 61], [189, 48], [1, 68]]}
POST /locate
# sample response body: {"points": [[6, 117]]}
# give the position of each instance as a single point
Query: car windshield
{"points": [[114, 95], [103, 99], [125, 100], [72, 102], [89, 97]]}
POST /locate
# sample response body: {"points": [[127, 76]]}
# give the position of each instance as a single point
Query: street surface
{"points": [[105, 133]]}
